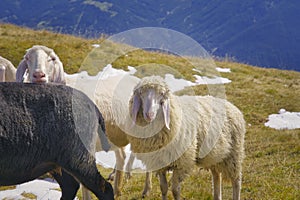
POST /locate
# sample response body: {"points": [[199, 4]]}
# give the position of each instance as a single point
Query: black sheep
{"points": [[44, 127]]}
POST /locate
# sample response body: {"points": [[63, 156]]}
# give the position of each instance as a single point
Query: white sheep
{"points": [[111, 97], [179, 132], [40, 64], [7, 71]]}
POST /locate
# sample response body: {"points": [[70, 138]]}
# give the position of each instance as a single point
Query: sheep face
{"points": [[152, 99], [42, 66]]}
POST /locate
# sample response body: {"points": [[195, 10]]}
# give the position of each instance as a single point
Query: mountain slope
{"points": [[259, 32]]}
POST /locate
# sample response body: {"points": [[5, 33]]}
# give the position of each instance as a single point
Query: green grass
{"points": [[272, 163]]}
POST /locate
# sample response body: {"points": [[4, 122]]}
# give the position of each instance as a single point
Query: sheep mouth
{"points": [[42, 80], [149, 119]]}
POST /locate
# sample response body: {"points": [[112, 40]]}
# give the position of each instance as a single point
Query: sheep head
{"points": [[42, 66], [151, 95]]}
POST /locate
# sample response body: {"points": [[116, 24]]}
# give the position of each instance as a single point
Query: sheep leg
{"points": [[176, 185], [163, 184], [148, 185], [88, 175], [217, 184], [111, 176], [68, 184], [236, 187], [85, 193], [119, 174], [129, 166], [94, 182], [148, 180]]}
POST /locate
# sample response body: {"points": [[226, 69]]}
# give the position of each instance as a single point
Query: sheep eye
{"points": [[137, 92], [52, 59]]}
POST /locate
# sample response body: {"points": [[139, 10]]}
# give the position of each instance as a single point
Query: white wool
{"points": [[203, 129], [8, 69]]}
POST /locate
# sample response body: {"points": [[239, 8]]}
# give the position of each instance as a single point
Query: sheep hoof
{"points": [[117, 195], [146, 193], [128, 175], [111, 177]]}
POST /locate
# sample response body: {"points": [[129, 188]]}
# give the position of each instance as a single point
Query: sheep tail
{"points": [[102, 132]]}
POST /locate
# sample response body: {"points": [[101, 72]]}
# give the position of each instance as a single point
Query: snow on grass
{"points": [[108, 160], [42, 189], [177, 84], [224, 70], [96, 45], [108, 71], [284, 120], [203, 80]]}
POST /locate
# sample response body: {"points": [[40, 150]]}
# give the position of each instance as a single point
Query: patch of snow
{"points": [[281, 111], [108, 160], [107, 72], [284, 120], [203, 80], [177, 84], [224, 70], [197, 70], [96, 45], [42, 189]]}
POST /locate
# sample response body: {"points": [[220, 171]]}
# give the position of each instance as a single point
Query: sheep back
{"points": [[111, 97], [220, 133], [44, 124]]}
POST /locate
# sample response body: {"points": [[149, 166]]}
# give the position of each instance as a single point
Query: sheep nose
{"points": [[150, 115], [38, 75]]}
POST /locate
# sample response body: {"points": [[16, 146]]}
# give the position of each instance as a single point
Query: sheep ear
{"points": [[21, 70], [166, 112], [58, 74], [135, 107], [2, 73], [52, 55]]}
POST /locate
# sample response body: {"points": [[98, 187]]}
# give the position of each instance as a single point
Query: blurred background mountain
{"points": [[265, 33]]}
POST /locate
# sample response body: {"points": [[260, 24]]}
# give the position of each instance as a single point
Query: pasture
{"points": [[271, 169]]}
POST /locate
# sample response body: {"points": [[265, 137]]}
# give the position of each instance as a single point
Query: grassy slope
{"points": [[272, 165]]}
